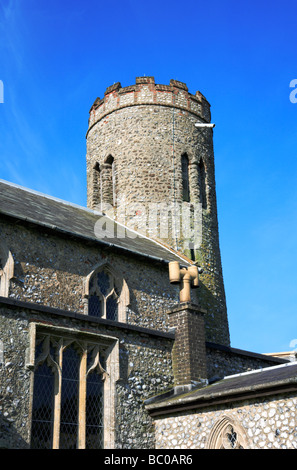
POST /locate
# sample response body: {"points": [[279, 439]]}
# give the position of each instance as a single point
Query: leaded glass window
{"points": [[94, 412], [69, 399], [103, 296], [68, 394], [43, 410]]}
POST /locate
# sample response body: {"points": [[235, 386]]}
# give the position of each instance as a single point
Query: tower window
{"points": [[185, 178], [107, 177], [96, 185], [202, 184]]}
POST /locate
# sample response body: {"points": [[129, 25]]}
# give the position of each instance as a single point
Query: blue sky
{"points": [[57, 57]]}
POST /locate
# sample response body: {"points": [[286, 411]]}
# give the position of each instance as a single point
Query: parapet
{"points": [[147, 92]]}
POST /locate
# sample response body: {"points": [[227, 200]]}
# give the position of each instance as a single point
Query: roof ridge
{"points": [[262, 369]]}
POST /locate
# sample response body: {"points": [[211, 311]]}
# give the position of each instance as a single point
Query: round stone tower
{"points": [[150, 164]]}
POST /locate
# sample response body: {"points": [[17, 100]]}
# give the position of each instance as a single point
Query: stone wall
{"points": [[222, 362], [263, 424], [144, 362], [15, 380], [50, 270], [49, 273], [47, 287]]}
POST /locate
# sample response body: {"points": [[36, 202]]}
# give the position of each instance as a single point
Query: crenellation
{"points": [[145, 91]]}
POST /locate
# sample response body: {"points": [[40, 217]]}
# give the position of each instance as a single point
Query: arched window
{"points": [[103, 296], [106, 294], [227, 434], [68, 393], [185, 177], [107, 177], [96, 194], [202, 183]]}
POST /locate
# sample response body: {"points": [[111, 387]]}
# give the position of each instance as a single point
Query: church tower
{"points": [[150, 164]]}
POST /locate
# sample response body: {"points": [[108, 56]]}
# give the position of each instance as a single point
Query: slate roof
{"points": [[64, 217], [270, 380]]}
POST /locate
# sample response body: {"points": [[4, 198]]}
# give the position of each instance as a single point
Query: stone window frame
{"points": [[110, 346], [186, 190], [107, 177], [119, 282], [222, 430], [96, 184], [196, 179], [6, 269], [202, 183]]}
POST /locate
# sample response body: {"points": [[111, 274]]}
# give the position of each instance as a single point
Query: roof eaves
{"points": [[197, 399], [184, 260], [85, 237]]}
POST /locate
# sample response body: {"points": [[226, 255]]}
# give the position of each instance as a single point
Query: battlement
{"points": [[146, 92]]}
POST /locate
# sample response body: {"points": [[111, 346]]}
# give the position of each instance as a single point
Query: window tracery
{"points": [[227, 434], [73, 395], [106, 294], [68, 394]]}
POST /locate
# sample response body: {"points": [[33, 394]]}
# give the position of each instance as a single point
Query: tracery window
{"points": [[106, 294], [227, 434], [231, 439], [103, 296], [68, 394]]}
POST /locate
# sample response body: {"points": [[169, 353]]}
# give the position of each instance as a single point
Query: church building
{"points": [[114, 330]]}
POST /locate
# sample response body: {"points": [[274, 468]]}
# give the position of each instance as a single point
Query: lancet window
{"points": [[108, 181], [96, 190], [202, 184], [185, 178]]}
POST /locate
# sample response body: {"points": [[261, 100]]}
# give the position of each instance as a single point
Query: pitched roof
{"points": [[259, 382], [64, 217]]}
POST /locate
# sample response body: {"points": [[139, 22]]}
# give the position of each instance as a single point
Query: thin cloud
{"points": [[10, 27]]}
